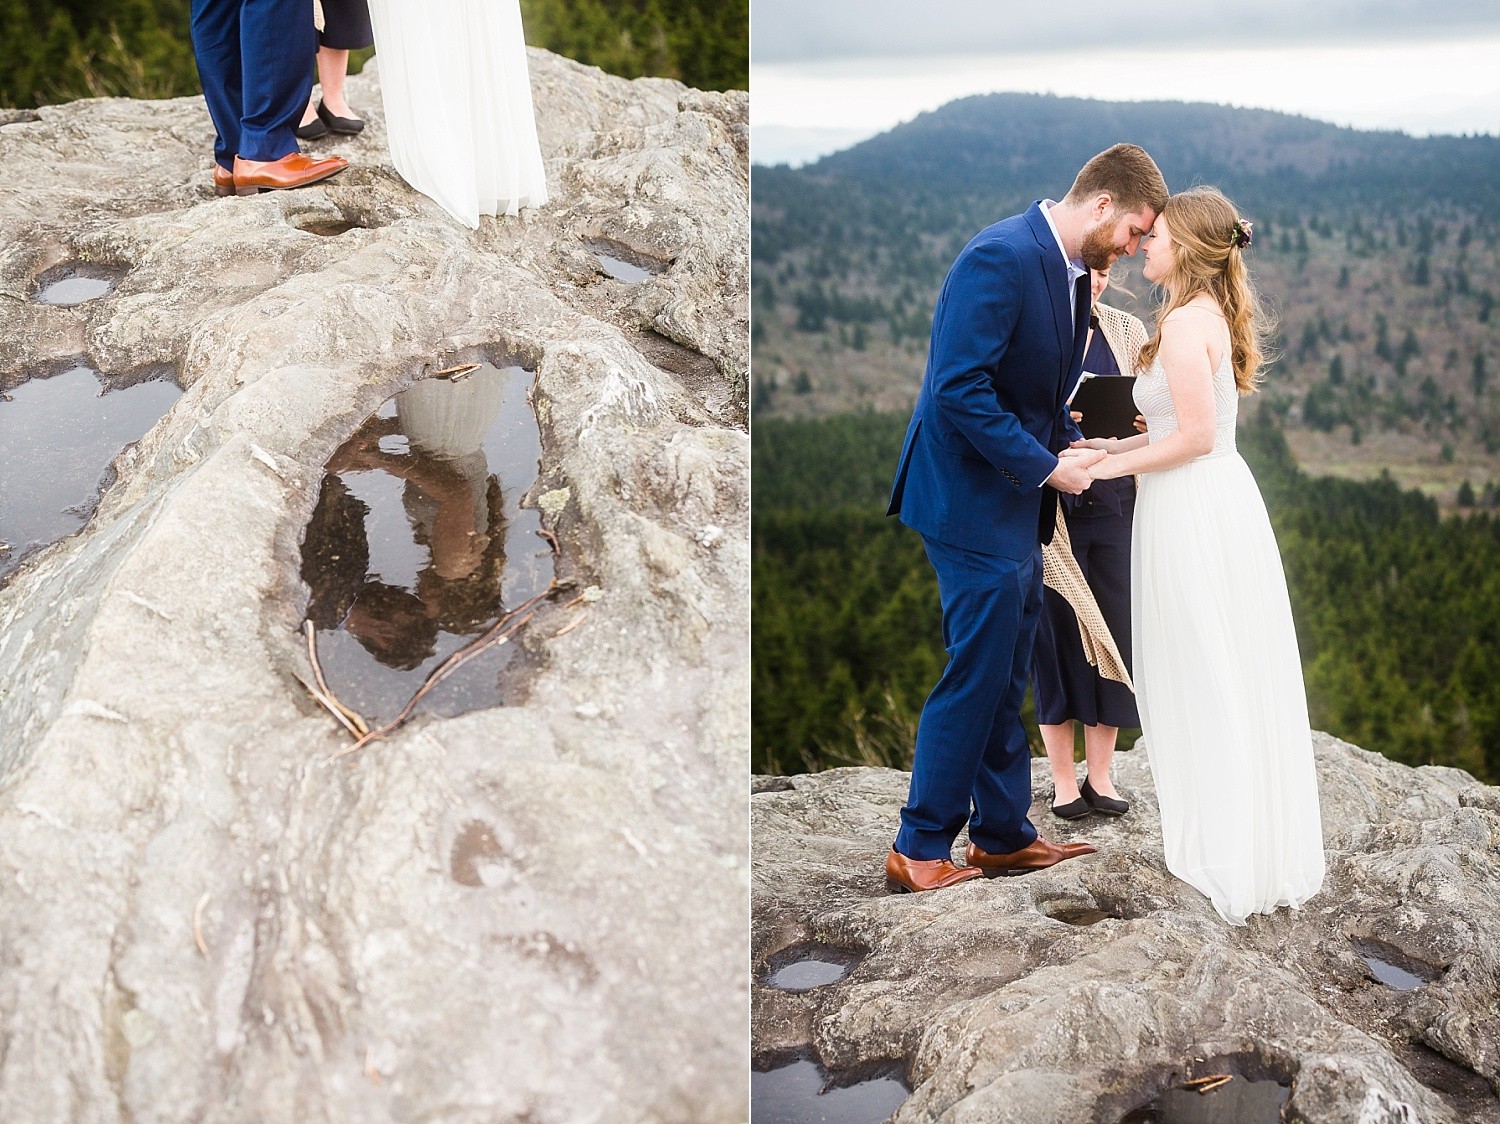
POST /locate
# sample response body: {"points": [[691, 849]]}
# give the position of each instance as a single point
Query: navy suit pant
{"points": [[255, 60], [971, 747]]}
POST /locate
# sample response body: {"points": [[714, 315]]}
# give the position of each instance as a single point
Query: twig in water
{"points": [[453, 374], [350, 719], [1212, 1085], [1196, 1081], [551, 539], [499, 633], [198, 923]]}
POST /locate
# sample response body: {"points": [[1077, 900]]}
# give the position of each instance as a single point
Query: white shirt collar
{"points": [[1075, 268]]}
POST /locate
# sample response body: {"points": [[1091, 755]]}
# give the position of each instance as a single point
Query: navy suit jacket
{"points": [[992, 415]]}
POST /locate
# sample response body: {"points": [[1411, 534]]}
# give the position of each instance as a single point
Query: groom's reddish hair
{"points": [[1129, 176]]}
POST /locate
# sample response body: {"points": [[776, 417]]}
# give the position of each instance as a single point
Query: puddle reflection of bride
{"points": [[453, 504]]}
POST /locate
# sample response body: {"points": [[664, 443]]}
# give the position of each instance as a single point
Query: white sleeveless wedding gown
{"points": [[1217, 674], [457, 97]]}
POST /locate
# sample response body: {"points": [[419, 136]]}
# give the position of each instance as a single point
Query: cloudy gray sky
{"points": [[825, 73], [803, 30]]}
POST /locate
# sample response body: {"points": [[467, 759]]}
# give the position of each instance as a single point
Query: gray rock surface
{"points": [[1001, 1011], [527, 913]]}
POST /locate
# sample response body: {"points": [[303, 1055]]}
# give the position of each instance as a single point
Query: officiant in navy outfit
{"points": [[1066, 687], [255, 60], [987, 444]]}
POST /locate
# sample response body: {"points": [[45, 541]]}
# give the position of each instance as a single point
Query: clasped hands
{"points": [[1080, 465]]}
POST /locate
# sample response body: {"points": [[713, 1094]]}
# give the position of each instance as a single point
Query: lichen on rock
{"points": [[531, 912]]}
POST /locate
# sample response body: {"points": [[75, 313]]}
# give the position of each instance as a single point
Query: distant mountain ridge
{"points": [[1000, 142]]}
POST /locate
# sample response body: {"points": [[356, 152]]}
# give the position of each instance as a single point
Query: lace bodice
{"points": [[1154, 400]]}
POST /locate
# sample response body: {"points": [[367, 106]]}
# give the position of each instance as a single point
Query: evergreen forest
{"points": [[1397, 608], [57, 50]]}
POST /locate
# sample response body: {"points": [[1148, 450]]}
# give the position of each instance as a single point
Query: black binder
{"points": [[1107, 405]]}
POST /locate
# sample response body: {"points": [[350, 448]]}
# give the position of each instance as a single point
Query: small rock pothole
{"points": [[1392, 967], [76, 282], [1236, 1101], [1466, 1092], [622, 262], [673, 357], [1079, 913], [1240, 1089], [419, 543], [796, 1089], [803, 967], [323, 225]]}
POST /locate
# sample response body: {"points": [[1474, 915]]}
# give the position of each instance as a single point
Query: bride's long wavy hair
{"points": [[1207, 258]]}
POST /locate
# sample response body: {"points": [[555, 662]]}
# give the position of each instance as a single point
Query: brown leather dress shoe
{"points": [[1036, 855], [223, 181], [904, 875], [296, 170]]}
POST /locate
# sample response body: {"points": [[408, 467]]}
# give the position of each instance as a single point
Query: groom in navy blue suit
{"points": [[255, 60], [985, 453]]}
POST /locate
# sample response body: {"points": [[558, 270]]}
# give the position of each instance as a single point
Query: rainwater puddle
{"points": [[622, 263], [1392, 976], [75, 283], [804, 967], [801, 1092], [1391, 967], [622, 270], [1239, 1102], [418, 543], [58, 436]]}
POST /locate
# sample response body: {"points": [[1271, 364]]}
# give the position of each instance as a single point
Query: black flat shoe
{"points": [[1106, 804], [312, 130], [345, 125], [1073, 810]]}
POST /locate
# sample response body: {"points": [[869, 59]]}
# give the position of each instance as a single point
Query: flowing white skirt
{"points": [[458, 110], [1219, 686]]}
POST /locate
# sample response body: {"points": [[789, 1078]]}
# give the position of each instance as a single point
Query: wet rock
{"points": [[482, 918], [1082, 992]]}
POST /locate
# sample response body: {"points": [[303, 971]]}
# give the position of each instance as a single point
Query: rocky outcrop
{"points": [[526, 913], [1078, 993]]}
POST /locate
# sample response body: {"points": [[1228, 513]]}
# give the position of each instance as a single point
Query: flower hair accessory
{"points": [[1240, 236]]}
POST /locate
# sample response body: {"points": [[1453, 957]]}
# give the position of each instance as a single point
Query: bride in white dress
{"points": [[1217, 674], [457, 97]]}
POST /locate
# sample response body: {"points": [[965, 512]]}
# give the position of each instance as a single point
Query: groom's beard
{"points": [[1097, 251]]}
